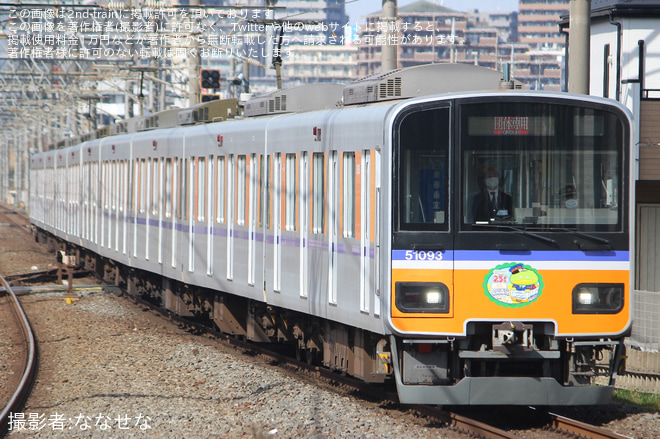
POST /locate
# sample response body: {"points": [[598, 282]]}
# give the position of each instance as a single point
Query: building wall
{"points": [[537, 22], [649, 140], [323, 63], [647, 30], [646, 111], [478, 38], [633, 30]]}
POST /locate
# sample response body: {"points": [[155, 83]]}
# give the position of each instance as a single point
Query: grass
{"points": [[649, 401]]}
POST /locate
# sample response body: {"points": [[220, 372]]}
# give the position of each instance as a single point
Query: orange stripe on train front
{"points": [[469, 301]]}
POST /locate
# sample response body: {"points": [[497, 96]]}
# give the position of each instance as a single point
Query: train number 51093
{"points": [[423, 255]]}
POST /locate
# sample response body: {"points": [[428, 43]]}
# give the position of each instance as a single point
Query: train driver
{"points": [[491, 203]]}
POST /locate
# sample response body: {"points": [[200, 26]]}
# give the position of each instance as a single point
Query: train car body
{"points": [[474, 246]]}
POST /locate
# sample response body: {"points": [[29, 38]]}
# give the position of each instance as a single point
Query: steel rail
{"points": [[581, 429], [463, 423], [23, 388]]}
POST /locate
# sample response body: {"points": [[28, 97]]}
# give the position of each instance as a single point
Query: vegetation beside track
{"points": [[649, 401]]}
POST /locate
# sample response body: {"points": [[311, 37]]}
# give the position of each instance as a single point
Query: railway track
{"points": [[14, 218], [536, 422], [25, 361], [552, 425], [581, 429]]}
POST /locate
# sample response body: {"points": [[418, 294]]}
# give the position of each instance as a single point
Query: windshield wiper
{"points": [[604, 242], [520, 230]]}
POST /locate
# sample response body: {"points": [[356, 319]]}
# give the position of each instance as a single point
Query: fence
{"points": [[646, 321], [643, 363]]}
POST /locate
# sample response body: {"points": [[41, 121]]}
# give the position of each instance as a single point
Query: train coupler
{"points": [[509, 335]]}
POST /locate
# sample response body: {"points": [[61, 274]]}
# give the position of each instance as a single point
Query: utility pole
{"points": [[193, 65], [388, 59], [578, 46]]}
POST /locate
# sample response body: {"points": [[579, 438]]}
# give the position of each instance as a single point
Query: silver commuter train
{"points": [[351, 231]]}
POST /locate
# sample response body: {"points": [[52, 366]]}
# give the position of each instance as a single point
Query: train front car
{"points": [[510, 269]]}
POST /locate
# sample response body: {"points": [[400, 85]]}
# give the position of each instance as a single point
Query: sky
{"points": [[357, 8]]}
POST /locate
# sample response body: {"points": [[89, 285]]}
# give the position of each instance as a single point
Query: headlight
{"points": [[425, 297], [586, 296], [598, 298]]}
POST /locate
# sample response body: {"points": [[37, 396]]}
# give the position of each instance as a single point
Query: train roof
{"points": [[417, 81], [421, 80]]}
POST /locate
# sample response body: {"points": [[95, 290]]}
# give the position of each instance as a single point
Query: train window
{"points": [[191, 198], [260, 199], [220, 190], [155, 186], [423, 169], [123, 183], [201, 188], [106, 185], [185, 196], [183, 193], [318, 193], [168, 187], [114, 185], [177, 176], [269, 184], [542, 166], [290, 188], [149, 186], [143, 185], [348, 195], [252, 196], [241, 188], [135, 194]]}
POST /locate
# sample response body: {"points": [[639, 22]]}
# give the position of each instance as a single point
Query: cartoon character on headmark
{"points": [[513, 284], [524, 284]]}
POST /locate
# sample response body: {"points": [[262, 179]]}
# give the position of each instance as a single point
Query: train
{"points": [[434, 227]]}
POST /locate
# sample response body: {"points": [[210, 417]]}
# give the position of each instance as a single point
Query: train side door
{"points": [[333, 224], [304, 222], [277, 222]]}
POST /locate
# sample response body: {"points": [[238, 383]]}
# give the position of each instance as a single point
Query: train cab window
{"points": [[540, 166], [423, 138]]}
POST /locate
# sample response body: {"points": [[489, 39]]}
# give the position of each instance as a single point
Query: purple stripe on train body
{"points": [[288, 241]]}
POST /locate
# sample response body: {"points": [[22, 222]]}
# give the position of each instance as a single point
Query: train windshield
{"points": [[422, 170], [541, 166]]}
